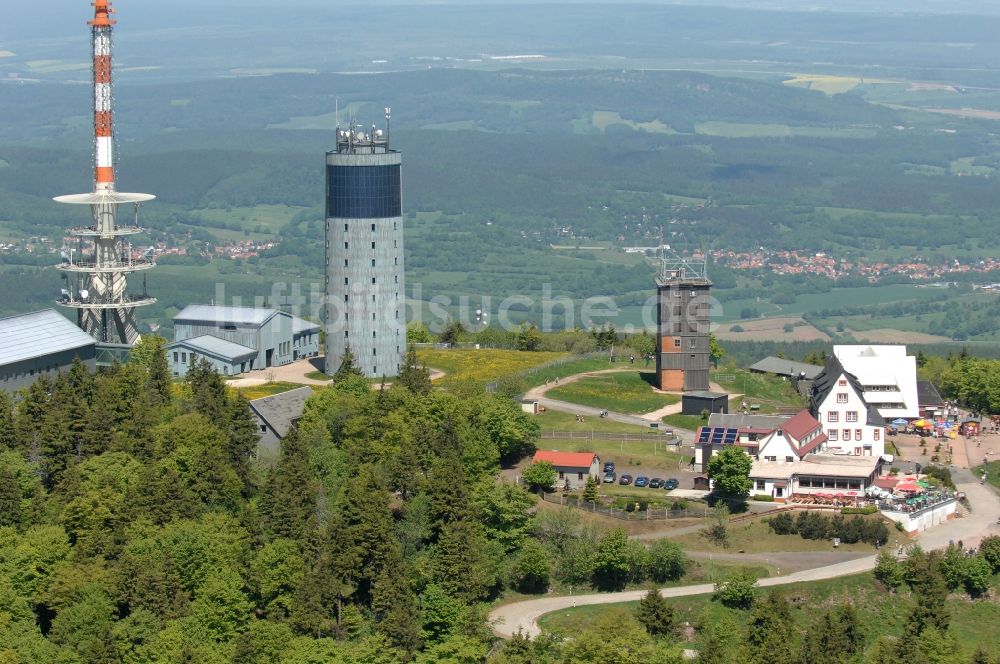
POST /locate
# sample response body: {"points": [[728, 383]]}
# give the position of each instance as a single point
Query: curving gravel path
{"points": [[523, 616]]}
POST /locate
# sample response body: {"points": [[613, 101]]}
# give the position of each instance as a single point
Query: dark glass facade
{"points": [[363, 192]]}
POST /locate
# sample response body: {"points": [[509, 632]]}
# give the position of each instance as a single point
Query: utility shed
{"points": [[226, 357], [43, 342], [693, 403], [276, 415]]}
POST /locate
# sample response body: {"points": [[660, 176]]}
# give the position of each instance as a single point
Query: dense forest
{"points": [[138, 528]]}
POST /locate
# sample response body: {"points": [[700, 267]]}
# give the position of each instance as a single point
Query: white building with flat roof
{"points": [[888, 376]]}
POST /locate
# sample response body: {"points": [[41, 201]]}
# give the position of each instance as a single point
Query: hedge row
{"points": [[812, 525]]}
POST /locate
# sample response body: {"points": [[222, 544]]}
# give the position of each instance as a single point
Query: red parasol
{"points": [[909, 486]]}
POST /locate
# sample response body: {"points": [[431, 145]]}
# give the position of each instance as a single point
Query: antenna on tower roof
{"points": [[673, 266]]}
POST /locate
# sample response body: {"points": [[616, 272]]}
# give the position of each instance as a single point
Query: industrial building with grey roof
{"points": [[239, 339], [39, 343]]}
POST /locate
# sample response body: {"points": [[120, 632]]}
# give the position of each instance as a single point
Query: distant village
{"points": [[233, 250], [823, 264]]}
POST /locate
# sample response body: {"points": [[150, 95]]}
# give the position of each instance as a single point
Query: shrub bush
{"points": [[867, 509], [679, 505], [762, 498], [812, 525], [782, 524]]}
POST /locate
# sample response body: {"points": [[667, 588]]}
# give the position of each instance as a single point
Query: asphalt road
{"points": [[523, 616]]}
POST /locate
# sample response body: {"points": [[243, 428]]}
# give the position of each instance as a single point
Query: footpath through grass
{"points": [[625, 392]]}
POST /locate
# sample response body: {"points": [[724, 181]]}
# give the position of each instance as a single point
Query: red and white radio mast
{"points": [[96, 270]]}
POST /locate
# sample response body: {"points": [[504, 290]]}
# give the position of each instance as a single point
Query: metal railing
{"points": [[648, 514], [628, 437]]}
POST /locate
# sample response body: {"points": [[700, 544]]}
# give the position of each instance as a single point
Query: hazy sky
{"points": [[59, 19]]}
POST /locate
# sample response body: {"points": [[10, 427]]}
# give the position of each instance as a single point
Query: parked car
{"points": [[609, 477], [641, 481], [625, 479], [656, 483], [609, 466], [671, 484]]}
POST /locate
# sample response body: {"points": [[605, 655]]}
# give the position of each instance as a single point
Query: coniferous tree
{"points": [[836, 639], [208, 391], [366, 524], [459, 564], [771, 637], [10, 499], [590, 490], [150, 354], [288, 502], [7, 436], [412, 376], [655, 614], [447, 495], [931, 610], [394, 606], [243, 439], [347, 366]]}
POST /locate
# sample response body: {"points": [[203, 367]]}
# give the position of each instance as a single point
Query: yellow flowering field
{"points": [[484, 365]]}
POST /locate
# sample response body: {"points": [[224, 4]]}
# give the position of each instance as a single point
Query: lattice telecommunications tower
{"points": [[95, 271]]}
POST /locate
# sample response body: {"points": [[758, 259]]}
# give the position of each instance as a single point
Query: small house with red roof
{"points": [[572, 467]]}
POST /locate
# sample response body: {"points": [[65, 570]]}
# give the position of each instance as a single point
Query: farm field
{"points": [[623, 392], [769, 329], [767, 130]]}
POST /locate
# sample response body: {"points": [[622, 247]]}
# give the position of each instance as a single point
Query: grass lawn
{"points": [[625, 392], [536, 377], [552, 420], [482, 365], [992, 472], [648, 455], [973, 622], [268, 389], [755, 536], [318, 375], [689, 422], [758, 387]]}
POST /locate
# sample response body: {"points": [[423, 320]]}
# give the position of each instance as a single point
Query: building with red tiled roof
{"points": [[572, 467]]}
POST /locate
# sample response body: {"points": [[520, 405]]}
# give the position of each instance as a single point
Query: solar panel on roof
{"points": [[718, 434], [703, 436], [732, 435]]}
